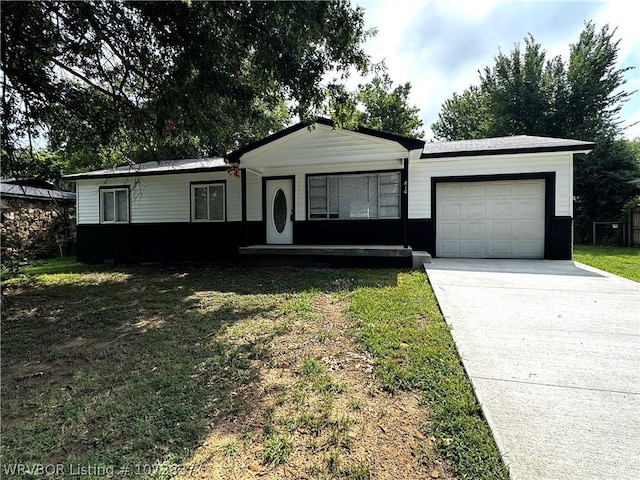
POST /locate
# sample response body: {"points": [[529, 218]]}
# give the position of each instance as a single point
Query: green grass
{"points": [[48, 266], [124, 366], [402, 327], [277, 449], [623, 261]]}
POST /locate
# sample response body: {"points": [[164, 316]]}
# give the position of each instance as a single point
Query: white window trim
{"points": [[101, 205], [326, 177], [224, 202]]}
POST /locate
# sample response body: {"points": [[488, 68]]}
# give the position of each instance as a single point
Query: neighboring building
{"points": [[36, 218], [507, 197]]}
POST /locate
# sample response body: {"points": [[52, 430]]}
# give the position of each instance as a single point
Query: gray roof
{"points": [[485, 146], [20, 191], [503, 145], [156, 168]]}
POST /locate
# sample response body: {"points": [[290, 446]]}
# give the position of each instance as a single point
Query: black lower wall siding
{"points": [[348, 232], [561, 239], [422, 235], [254, 234], [159, 242], [167, 242]]}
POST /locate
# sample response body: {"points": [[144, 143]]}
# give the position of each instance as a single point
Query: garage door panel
{"points": [[502, 249], [449, 230], [529, 209], [475, 230], [528, 249], [533, 188], [503, 219], [502, 189], [502, 209], [476, 249], [475, 210], [451, 190], [527, 230], [502, 230], [451, 249], [478, 190], [452, 211]]}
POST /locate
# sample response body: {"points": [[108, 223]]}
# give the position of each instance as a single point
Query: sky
{"points": [[439, 45]]}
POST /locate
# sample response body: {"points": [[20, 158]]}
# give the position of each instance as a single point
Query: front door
{"points": [[279, 198]]}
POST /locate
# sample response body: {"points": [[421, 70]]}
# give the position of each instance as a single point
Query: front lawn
{"points": [[230, 372], [623, 261]]}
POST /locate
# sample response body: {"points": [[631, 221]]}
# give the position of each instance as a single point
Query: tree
{"points": [[101, 82], [602, 180], [524, 93], [377, 105], [464, 116]]}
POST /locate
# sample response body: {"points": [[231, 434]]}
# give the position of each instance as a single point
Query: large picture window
{"points": [[207, 202], [114, 205], [368, 195]]}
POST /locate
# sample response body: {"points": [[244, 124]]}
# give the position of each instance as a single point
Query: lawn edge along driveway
{"points": [[552, 349]]}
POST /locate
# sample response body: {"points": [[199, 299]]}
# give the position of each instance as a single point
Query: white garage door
{"points": [[502, 219]]}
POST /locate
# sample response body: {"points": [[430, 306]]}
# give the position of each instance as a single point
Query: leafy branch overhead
{"points": [[149, 80]]}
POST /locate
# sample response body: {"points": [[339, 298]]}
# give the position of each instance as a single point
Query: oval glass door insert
{"points": [[279, 210]]}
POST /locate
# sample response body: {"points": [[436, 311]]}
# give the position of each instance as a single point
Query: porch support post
{"points": [[404, 201], [243, 189]]}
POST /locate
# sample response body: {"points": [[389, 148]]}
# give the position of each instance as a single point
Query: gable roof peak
{"points": [[406, 142]]}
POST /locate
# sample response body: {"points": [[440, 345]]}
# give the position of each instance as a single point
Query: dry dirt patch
{"points": [[318, 413]]}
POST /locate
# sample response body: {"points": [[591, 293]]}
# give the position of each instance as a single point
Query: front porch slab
{"points": [[389, 251]]}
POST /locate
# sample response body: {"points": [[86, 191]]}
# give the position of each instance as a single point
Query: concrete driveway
{"points": [[553, 351]]}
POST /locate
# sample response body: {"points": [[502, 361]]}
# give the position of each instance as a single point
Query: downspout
{"points": [[243, 188], [405, 201]]}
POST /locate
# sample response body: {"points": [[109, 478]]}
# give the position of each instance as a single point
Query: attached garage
{"points": [[508, 197], [496, 219]]}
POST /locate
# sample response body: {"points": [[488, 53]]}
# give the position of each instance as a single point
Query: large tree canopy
{"points": [[105, 81], [378, 105], [526, 93]]}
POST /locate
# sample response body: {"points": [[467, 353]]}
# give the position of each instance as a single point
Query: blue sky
{"points": [[439, 45]]}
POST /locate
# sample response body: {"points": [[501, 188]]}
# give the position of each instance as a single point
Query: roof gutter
{"points": [[511, 151]]}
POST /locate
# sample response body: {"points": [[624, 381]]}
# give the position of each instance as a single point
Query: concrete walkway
{"points": [[553, 351]]}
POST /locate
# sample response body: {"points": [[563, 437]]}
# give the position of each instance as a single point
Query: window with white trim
{"points": [[207, 202], [114, 205], [367, 195]]}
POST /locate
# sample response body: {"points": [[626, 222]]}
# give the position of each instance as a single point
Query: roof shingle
{"points": [[502, 146], [155, 168]]}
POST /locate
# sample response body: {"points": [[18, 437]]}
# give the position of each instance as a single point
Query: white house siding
{"points": [[157, 198], [422, 171], [322, 145], [254, 196], [87, 204]]}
